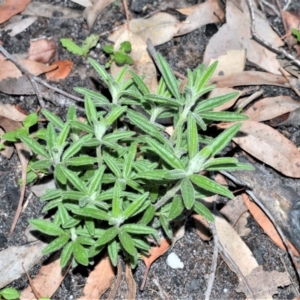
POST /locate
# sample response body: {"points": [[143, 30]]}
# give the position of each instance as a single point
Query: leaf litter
{"points": [[234, 35]]}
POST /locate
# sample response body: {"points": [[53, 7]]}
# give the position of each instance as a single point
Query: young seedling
{"points": [[89, 43], [120, 178], [121, 56], [9, 294]]}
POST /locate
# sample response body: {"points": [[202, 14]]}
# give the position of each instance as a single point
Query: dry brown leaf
{"points": [[154, 253], [269, 146], [142, 62], [42, 50], [51, 11], [251, 78], [19, 26], [266, 224], [221, 42], [223, 91], [204, 13], [235, 247], [8, 69], [159, 28], [231, 62], [263, 284], [99, 280], [238, 20], [236, 213], [12, 258], [269, 108], [47, 281], [64, 68], [11, 112], [202, 227], [84, 3], [131, 285], [9, 8], [91, 13]]}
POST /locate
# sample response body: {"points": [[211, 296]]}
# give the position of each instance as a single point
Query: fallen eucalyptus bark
{"points": [[281, 201]]}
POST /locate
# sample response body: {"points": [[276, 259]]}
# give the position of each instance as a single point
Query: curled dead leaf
{"points": [[62, 70]]}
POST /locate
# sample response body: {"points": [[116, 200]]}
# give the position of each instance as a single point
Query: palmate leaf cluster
{"points": [[119, 176]]}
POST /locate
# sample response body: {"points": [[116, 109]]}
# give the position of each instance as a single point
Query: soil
{"points": [[182, 53]]}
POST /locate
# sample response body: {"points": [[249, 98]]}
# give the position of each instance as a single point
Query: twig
{"points": [[265, 43], [26, 72], [34, 80], [212, 275], [126, 13], [113, 292]]}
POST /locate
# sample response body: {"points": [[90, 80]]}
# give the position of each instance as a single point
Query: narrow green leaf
{"points": [[127, 242], [91, 212], [206, 76], [143, 123], [90, 110], [83, 160], [129, 159], [66, 254], [192, 137], [100, 70], [72, 150], [135, 205], [51, 194], [71, 115], [112, 165], [95, 182], [162, 100], [46, 227], [98, 99], [75, 180], [118, 135], [148, 215], [166, 226], [82, 126], [41, 164], [72, 222], [176, 207], [113, 249], [152, 175], [199, 121], [72, 195], [188, 193], [114, 114], [90, 226], [53, 118], [219, 161], [211, 103], [168, 76], [210, 185], [62, 137], [71, 46], [63, 214], [170, 158], [138, 229], [51, 136], [221, 141], [174, 174], [117, 201], [140, 83], [230, 167], [223, 116], [56, 244], [80, 254], [34, 146], [202, 210], [89, 43], [138, 243], [107, 236]]}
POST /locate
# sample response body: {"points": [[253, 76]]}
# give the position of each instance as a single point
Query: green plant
{"points": [[89, 43], [9, 294], [120, 57], [119, 176]]}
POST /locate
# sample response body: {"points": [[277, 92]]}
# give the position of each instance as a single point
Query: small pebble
{"points": [[174, 262]]}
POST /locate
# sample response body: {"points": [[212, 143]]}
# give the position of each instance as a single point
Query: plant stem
{"points": [[170, 194]]}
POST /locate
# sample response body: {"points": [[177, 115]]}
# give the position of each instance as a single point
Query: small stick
{"points": [[126, 13], [212, 275], [265, 43], [26, 72]]}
